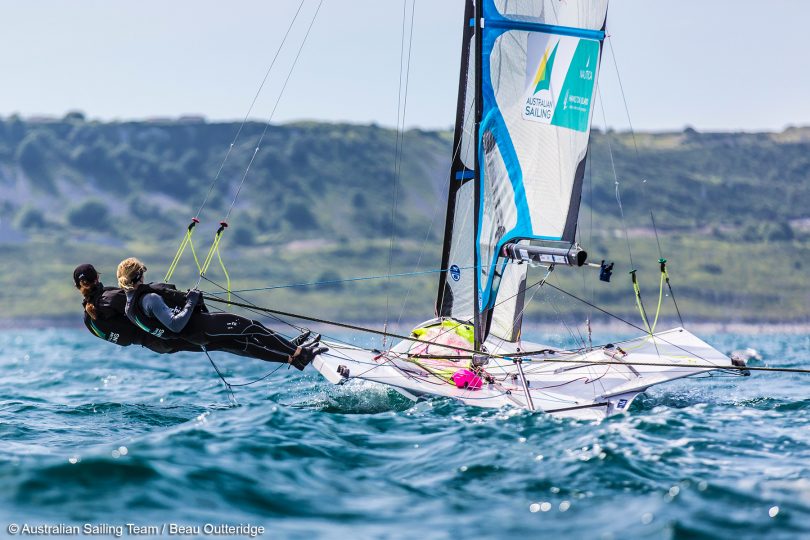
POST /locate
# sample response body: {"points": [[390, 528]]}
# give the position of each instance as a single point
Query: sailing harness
{"points": [[151, 325]]}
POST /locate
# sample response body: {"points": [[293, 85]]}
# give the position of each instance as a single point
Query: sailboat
{"points": [[525, 104]]}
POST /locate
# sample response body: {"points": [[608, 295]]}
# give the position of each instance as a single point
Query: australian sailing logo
{"points": [[560, 77], [540, 101]]}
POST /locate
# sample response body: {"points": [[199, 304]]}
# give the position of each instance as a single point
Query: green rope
{"points": [[185, 242], [213, 249], [176, 259], [225, 271], [660, 298], [640, 305], [194, 252]]}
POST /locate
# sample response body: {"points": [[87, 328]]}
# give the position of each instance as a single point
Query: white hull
{"points": [[581, 385]]}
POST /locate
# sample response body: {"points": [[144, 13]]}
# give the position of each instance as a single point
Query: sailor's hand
{"points": [[193, 297]]}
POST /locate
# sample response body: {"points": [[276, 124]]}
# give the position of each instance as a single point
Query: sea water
{"points": [[101, 440]]}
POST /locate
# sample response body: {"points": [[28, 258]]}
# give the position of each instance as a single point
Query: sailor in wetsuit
{"points": [[149, 307], [104, 315]]}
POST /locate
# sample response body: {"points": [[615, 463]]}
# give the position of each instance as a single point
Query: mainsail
{"points": [[523, 120]]}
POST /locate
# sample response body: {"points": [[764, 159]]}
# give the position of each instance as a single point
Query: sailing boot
{"points": [[298, 340]]}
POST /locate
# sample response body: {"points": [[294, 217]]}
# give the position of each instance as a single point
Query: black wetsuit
{"points": [[111, 324], [225, 331]]}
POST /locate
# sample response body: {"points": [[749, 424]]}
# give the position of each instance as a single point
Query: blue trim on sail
{"points": [[494, 122], [465, 175], [546, 28], [494, 19]]}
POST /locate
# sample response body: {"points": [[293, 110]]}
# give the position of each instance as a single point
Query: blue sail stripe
{"points": [[494, 121], [546, 28]]}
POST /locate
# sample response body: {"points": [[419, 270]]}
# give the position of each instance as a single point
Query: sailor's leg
{"points": [[248, 336]]}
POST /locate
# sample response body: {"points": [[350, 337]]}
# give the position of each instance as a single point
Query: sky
{"points": [[711, 65]]}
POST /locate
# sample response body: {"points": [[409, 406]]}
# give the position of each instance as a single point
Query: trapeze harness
{"points": [[109, 325], [149, 323]]}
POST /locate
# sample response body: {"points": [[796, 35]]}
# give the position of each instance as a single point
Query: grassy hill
{"points": [[316, 205]]}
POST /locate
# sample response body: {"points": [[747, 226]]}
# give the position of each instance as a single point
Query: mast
{"points": [[479, 331]]}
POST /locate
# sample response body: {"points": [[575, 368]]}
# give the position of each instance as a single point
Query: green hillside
{"points": [[317, 205]]}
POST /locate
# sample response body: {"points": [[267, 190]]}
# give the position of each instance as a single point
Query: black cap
{"points": [[84, 272]]}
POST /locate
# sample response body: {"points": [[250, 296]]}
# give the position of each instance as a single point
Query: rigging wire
{"points": [[250, 109], [615, 178], [662, 259], [636, 288], [524, 353], [257, 310], [187, 241], [277, 313], [214, 249], [402, 104], [344, 280], [275, 106], [434, 214], [519, 317], [249, 306]]}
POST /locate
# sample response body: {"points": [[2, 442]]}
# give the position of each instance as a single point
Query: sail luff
{"points": [[478, 324], [459, 174]]}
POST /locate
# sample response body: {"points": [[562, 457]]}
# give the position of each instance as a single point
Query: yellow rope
{"points": [[211, 252], [637, 290], [660, 298], [186, 241], [227, 277], [210, 256], [177, 256], [194, 252]]}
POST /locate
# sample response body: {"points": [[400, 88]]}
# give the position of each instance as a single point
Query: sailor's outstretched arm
{"points": [[154, 306]]}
